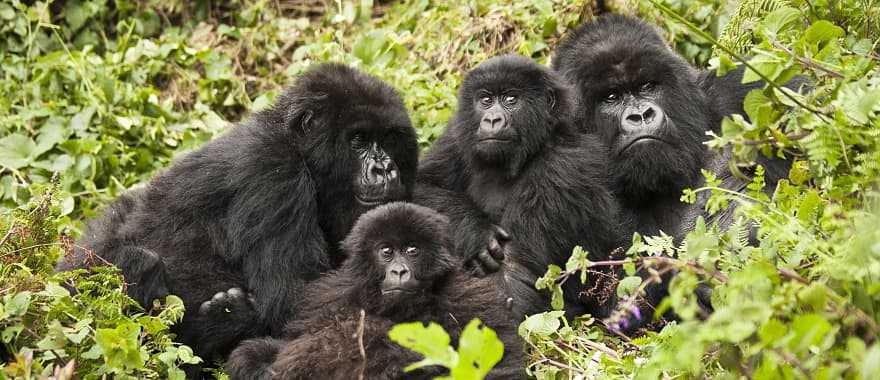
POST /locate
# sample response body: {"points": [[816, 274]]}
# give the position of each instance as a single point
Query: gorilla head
{"points": [[398, 251], [361, 150], [509, 108], [642, 99]]}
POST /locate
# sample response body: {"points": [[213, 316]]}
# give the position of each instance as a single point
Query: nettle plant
{"points": [[804, 302]]}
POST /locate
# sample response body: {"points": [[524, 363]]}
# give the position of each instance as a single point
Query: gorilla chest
{"points": [[491, 195]]}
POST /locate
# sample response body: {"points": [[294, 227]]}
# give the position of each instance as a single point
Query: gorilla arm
{"points": [[278, 241], [441, 185]]}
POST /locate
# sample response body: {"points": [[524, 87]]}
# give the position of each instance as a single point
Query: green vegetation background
{"points": [[97, 95]]}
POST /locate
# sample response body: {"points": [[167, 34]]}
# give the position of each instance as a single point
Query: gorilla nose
{"points": [[382, 171], [492, 121], [644, 118], [402, 274]]}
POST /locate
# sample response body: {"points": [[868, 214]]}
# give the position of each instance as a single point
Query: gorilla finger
{"points": [[235, 292], [474, 267], [205, 307], [489, 264], [218, 296], [501, 235], [496, 250]]}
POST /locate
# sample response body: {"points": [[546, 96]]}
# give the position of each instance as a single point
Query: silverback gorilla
{"points": [[259, 211], [399, 270], [511, 174], [653, 110]]}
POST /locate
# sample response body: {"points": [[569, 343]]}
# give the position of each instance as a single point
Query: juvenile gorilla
{"points": [[653, 110], [399, 270], [259, 210], [511, 174]]}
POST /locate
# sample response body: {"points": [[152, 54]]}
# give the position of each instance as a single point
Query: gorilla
{"points": [[399, 269], [653, 110], [511, 173], [250, 217]]}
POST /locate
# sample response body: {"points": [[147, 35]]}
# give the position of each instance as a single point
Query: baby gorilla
{"points": [[399, 269]]}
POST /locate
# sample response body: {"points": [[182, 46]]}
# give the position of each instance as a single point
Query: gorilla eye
{"points": [[648, 86], [357, 138], [611, 96], [412, 251], [510, 100], [486, 101], [386, 253]]}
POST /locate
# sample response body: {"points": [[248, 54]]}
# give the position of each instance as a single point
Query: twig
{"points": [[360, 339], [806, 61]]}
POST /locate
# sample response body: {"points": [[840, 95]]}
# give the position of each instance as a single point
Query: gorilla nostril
{"points": [[634, 118], [648, 115]]}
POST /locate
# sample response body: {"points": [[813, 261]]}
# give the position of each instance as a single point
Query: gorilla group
{"points": [[399, 269], [247, 229], [248, 219], [521, 186]]}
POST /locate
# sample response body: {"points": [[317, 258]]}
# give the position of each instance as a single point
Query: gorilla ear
{"points": [[305, 122], [551, 99]]}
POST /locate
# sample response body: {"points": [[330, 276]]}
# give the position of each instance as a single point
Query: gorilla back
{"points": [[261, 208]]}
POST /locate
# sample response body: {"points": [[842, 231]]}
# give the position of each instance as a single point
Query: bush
{"points": [[97, 95]]}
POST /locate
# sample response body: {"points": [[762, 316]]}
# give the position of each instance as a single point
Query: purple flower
{"points": [[636, 312]]}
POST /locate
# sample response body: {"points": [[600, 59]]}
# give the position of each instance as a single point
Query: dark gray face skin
{"points": [[379, 179], [640, 119], [495, 112], [399, 276]]}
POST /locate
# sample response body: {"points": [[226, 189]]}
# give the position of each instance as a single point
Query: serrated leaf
{"points": [[822, 31]]}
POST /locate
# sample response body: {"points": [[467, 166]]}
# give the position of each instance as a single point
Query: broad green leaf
{"points": [[542, 324], [17, 151], [431, 341], [479, 349]]}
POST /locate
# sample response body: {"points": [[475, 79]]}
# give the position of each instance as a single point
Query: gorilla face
{"points": [[377, 178], [642, 100], [509, 111], [402, 250]]}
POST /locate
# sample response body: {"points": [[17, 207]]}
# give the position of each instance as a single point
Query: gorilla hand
{"points": [[488, 259], [234, 302]]}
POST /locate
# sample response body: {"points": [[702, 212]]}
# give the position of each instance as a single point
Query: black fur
{"points": [[619, 53], [324, 336], [541, 188], [260, 208], [618, 64]]}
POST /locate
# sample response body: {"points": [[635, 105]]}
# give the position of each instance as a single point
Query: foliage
{"points": [[105, 93], [47, 330], [479, 348], [804, 303]]}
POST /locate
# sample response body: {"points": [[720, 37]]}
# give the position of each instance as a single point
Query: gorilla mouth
{"points": [[396, 291], [641, 140], [371, 201]]}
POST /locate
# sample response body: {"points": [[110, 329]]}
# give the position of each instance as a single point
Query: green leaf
{"points": [[628, 285], [822, 31], [779, 21], [542, 324], [17, 151], [479, 349], [870, 368], [120, 346], [431, 341]]}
